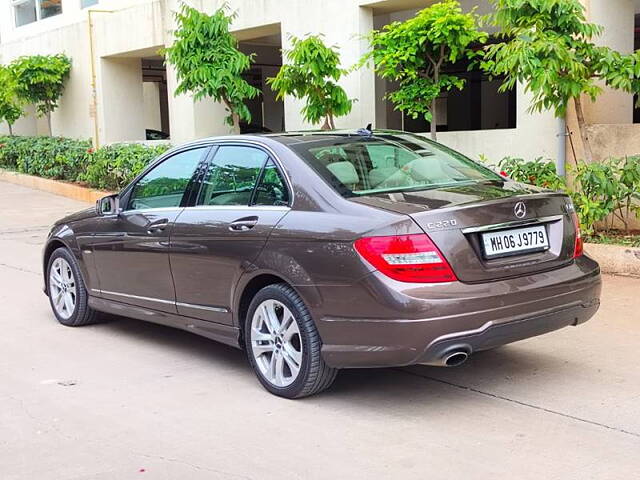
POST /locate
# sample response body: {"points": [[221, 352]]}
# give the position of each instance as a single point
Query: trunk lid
{"points": [[456, 218]]}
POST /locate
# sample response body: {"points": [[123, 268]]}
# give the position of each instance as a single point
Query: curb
{"points": [[57, 187], [615, 259]]}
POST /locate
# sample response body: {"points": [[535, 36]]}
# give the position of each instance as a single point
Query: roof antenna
{"points": [[365, 132]]}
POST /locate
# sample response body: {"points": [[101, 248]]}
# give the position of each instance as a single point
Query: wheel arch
{"points": [[51, 246], [253, 284]]}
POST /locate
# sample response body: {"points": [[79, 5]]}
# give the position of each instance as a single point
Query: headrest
{"points": [[386, 162], [345, 172]]}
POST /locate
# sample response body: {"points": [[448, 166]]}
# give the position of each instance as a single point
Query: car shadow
{"points": [[176, 340], [484, 371]]}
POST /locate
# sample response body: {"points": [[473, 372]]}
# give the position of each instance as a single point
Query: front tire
{"points": [[283, 344], [67, 293]]}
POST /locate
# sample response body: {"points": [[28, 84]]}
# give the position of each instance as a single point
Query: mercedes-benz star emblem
{"points": [[520, 210]]}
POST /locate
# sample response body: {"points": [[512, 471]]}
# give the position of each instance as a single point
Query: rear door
{"points": [[242, 197]]}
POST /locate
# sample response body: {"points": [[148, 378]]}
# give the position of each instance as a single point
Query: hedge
{"points": [[110, 168]]}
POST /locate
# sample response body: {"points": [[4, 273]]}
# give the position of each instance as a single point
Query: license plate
{"points": [[515, 241]]}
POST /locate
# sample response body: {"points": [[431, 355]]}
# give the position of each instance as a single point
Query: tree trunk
{"points": [[327, 123], [434, 126], [436, 80], [49, 124], [236, 122], [235, 118], [582, 126], [10, 129]]}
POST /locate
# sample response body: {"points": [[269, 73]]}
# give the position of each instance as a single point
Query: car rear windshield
{"points": [[366, 165]]}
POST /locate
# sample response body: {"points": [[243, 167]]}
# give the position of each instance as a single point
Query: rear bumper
{"points": [[493, 335], [465, 317]]}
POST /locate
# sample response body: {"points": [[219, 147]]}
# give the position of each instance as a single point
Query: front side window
{"points": [[232, 176], [389, 163], [29, 11], [165, 185], [88, 3]]}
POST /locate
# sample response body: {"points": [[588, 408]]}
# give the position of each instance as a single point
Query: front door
{"points": [[131, 249], [242, 198]]}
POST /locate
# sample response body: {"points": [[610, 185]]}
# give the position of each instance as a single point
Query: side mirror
{"points": [[109, 205]]}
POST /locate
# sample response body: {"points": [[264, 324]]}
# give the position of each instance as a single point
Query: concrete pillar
{"points": [[322, 17], [190, 119], [121, 100], [617, 18]]}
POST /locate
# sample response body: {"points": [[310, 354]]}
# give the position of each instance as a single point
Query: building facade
{"points": [[120, 89]]}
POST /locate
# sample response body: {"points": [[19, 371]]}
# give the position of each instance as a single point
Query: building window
{"points": [[49, 8], [29, 11], [88, 3], [25, 12]]}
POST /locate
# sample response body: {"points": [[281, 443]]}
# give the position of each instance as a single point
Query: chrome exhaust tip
{"points": [[455, 359]]}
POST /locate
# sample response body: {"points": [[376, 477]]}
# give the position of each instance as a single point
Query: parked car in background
{"points": [[253, 128], [321, 251], [156, 134]]}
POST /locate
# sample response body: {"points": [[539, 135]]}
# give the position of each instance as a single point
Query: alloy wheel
{"points": [[276, 343], [62, 288]]}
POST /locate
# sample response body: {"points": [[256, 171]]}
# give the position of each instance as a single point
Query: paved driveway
{"points": [[128, 400]]}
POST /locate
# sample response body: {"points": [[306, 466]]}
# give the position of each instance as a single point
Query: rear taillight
{"points": [[407, 258], [578, 248]]}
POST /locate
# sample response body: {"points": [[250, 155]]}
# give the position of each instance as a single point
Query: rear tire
{"points": [[67, 293], [283, 344]]}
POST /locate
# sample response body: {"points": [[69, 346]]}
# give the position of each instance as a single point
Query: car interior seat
{"points": [[345, 172]]}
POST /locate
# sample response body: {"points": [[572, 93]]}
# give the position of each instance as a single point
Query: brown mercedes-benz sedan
{"points": [[321, 251]]}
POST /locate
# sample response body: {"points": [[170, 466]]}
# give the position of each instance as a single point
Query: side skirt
{"points": [[215, 331]]}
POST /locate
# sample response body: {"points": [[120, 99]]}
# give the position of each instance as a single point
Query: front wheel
{"points": [[283, 344], [67, 293]]}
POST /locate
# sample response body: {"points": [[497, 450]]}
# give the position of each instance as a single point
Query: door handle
{"points": [[157, 227], [243, 224]]}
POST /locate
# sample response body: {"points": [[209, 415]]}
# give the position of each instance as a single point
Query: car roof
{"points": [[304, 136], [299, 137]]}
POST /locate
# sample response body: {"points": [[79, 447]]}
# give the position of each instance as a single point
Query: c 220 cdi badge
{"points": [[320, 251]]}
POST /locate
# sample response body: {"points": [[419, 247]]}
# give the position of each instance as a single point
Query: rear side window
{"points": [[389, 163], [165, 184], [232, 176], [272, 189]]}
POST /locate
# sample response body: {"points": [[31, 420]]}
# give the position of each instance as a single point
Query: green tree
{"points": [[10, 103], [414, 53], [208, 62], [312, 73], [41, 81], [547, 45]]}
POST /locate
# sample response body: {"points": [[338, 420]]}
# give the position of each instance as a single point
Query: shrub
{"points": [[111, 167], [50, 157], [9, 152], [114, 166], [607, 189], [540, 172]]}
